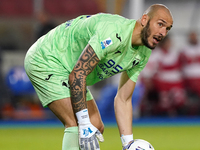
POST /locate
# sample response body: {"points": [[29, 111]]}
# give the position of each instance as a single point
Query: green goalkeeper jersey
{"points": [[109, 36]]}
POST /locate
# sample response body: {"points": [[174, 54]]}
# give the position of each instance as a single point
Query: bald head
{"points": [[154, 24], [155, 8]]}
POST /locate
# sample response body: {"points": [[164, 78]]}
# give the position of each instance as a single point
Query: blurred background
{"points": [[169, 86]]}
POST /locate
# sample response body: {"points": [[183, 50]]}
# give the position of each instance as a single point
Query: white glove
{"points": [[88, 134]]}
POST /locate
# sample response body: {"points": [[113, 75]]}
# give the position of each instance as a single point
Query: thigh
{"points": [[48, 76]]}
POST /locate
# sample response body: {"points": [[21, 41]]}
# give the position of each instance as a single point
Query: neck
{"points": [[136, 39]]}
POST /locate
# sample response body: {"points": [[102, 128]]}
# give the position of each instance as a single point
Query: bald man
{"points": [[84, 51]]}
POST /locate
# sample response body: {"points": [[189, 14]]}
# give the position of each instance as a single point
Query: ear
{"points": [[144, 20]]}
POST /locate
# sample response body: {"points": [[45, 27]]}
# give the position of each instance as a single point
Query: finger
{"points": [[96, 143], [91, 143], [87, 147], [82, 147], [81, 143], [99, 136]]}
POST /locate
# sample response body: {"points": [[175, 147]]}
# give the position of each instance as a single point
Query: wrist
{"points": [[83, 116], [126, 139]]}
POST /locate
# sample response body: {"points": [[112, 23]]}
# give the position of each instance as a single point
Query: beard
{"points": [[145, 33]]}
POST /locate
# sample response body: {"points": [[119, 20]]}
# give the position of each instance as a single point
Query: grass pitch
{"points": [[161, 137]]}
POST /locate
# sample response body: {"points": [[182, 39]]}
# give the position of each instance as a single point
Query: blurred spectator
{"points": [[25, 109], [119, 5], [163, 81], [190, 59], [116, 6], [4, 95], [45, 24]]}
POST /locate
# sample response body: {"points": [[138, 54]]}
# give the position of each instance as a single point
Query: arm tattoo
{"points": [[86, 63]]}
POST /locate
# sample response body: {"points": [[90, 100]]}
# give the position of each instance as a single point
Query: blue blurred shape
{"points": [[18, 81], [105, 102]]}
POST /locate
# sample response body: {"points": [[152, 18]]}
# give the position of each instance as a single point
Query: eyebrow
{"points": [[163, 21], [168, 28]]}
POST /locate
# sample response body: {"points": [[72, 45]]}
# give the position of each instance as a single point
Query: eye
{"points": [[168, 28], [160, 24]]}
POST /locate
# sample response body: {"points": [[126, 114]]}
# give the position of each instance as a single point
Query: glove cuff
{"points": [[83, 117]]}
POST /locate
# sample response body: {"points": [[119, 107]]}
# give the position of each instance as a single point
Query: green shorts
{"points": [[48, 76]]}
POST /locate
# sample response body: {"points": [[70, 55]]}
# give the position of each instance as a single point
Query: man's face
{"points": [[156, 29]]}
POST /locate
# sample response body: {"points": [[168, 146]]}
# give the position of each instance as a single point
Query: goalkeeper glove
{"points": [[88, 134]]}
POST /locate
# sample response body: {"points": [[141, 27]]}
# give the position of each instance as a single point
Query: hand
{"points": [[89, 137], [128, 146]]}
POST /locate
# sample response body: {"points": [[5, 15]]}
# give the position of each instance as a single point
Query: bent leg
{"points": [[63, 110], [70, 139]]}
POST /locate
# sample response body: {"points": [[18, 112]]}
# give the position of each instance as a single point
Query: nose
{"points": [[163, 32]]}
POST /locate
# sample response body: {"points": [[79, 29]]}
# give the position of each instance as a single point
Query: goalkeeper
{"points": [[86, 50]]}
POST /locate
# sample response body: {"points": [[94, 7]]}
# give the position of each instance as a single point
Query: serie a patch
{"points": [[107, 42]]}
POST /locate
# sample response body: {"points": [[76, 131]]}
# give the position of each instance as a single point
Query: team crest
{"points": [[107, 42]]}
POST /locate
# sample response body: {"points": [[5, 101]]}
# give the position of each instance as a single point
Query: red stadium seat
{"points": [[14, 8]]}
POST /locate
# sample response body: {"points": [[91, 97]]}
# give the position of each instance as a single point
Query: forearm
{"points": [[77, 78], [123, 113], [78, 91], [88, 134]]}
